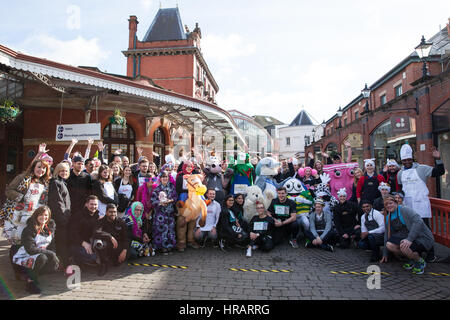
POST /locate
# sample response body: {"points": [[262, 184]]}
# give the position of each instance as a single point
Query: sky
{"points": [[268, 57]]}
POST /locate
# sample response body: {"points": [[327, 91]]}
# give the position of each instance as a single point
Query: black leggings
{"points": [[264, 243]]}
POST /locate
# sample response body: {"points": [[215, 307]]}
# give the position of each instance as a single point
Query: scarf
{"points": [[137, 221]]}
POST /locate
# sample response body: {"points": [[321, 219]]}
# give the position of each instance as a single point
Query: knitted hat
{"points": [[319, 201], [384, 186]]}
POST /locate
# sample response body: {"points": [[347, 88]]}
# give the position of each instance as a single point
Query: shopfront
{"points": [[441, 132], [387, 139], [356, 142]]}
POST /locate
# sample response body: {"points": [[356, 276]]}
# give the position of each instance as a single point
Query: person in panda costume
{"points": [[304, 200], [214, 178], [323, 192]]}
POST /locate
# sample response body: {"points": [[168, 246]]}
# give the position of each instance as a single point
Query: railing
{"points": [[440, 211]]}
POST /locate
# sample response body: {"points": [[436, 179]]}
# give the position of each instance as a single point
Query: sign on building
{"points": [[400, 124], [85, 131]]}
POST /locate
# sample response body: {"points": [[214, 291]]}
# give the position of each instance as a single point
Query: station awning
{"points": [[87, 87]]}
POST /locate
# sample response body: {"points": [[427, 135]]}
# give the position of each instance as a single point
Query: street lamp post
{"points": [[323, 124], [339, 114], [366, 94], [423, 51]]}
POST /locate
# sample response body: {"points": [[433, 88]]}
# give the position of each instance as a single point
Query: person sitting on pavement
{"points": [[138, 232], [209, 230], [238, 209], [82, 225], [110, 239], [406, 235], [413, 177], [378, 203], [320, 233], [372, 230], [37, 254], [230, 231], [261, 230], [347, 217], [284, 210]]}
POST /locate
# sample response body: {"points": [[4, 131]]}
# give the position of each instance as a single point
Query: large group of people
{"points": [[95, 212]]}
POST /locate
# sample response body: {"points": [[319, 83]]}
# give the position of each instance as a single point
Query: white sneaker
{"points": [[249, 252]]}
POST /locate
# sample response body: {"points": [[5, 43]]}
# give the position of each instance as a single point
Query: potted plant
{"points": [[9, 111], [117, 118]]}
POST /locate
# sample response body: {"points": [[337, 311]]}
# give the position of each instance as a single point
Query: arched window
{"points": [[331, 147], [159, 143], [116, 137], [386, 140]]}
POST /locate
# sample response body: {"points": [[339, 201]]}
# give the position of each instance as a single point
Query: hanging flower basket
{"points": [[117, 118], [9, 111]]}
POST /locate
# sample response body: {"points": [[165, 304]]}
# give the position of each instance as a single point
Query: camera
{"points": [[99, 244]]}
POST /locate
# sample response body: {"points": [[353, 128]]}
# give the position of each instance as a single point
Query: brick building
{"points": [[171, 56], [403, 107], [159, 97]]}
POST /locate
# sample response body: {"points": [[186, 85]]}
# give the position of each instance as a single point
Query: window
{"points": [[345, 122], [288, 141], [383, 99], [159, 147], [116, 137], [356, 114], [398, 90]]}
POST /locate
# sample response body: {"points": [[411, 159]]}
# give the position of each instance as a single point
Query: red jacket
{"points": [[360, 185]]}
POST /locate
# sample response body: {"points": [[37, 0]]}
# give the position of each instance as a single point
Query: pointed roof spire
{"points": [[302, 119], [166, 25]]}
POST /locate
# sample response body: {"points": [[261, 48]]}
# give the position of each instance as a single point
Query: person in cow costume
{"points": [[323, 192]]}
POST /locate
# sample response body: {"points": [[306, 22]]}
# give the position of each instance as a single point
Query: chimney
{"points": [[132, 26]]}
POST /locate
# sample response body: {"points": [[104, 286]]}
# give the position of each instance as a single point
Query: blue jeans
{"points": [[81, 256], [372, 242]]}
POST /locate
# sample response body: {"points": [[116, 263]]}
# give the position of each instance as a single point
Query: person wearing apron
{"points": [[372, 230], [37, 255], [126, 188], [103, 188], [406, 235], [412, 177]]}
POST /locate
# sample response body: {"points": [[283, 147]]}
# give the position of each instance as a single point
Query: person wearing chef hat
{"points": [[368, 184], [413, 177]]}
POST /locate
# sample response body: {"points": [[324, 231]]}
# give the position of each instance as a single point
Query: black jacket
{"points": [[225, 225], [79, 189], [346, 215], [29, 234], [133, 184], [280, 177], [117, 229], [82, 226], [99, 191], [59, 201]]}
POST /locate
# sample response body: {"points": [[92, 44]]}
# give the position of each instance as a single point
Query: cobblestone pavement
{"points": [[303, 274]]}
